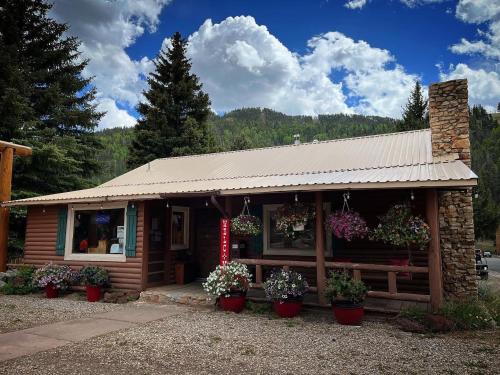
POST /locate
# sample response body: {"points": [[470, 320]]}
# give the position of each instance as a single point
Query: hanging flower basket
{"points": [[246, 226], [401, 229], [348, 225], [293, 218]]}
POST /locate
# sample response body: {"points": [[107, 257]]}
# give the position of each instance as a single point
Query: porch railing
{"points": [[356, 268]]}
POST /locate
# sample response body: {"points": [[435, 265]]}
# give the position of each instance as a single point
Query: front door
{"points": [[157, 244]]}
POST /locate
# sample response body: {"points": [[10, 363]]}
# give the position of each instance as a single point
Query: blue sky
{"points": [[298, 57]]}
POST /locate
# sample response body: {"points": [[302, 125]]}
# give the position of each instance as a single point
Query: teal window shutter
{"points": [[131, 240], [62, 221]]}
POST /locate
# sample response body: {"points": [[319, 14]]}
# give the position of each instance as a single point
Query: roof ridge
{"points": [[284, 174], [292, 145]]}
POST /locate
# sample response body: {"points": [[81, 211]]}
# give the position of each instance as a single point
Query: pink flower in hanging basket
{"points": [[348, 225]]}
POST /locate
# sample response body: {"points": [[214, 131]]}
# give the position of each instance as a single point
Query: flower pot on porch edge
{"points": [[287, 308], [348, 313], [93, 293], [51, 291], [234, 302]]}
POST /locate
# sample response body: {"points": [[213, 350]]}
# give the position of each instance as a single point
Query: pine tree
{"points": [[174, 116], [415, 114], [485, 148], [44, 100], [45, 103]]}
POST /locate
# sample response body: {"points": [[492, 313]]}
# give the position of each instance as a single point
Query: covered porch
{"points": [[182, 254]]}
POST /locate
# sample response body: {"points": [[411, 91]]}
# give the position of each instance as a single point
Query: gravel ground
{"points": [[20, 312], [203, 341]]}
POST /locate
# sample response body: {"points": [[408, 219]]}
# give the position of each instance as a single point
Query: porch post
{"points": [[7, 157], [434, 255], [320, 249]]}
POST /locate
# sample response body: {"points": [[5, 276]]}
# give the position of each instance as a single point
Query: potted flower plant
{"points": [[346, 295], [293, 218], [94, 279], [286, 290], [53, 277], [348, 225], [400, 228], [228, 284]]}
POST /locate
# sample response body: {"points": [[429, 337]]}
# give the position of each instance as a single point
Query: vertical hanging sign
{"points": [[225, 246]]}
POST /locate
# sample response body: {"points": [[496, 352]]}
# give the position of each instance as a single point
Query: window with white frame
{"points": [[303, 244], [179, 228], [96, 232]]}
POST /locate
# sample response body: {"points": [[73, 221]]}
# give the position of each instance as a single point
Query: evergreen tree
{"points": [[44, 100], [45, 103], [415, 114], [485, 148], [174, 116]]}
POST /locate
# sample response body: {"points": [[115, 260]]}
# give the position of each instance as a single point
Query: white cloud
{"points": [[478, 12], [105, 29], [358, 4], [355, 4], [241, 64], [114, 117], [484, 86]]}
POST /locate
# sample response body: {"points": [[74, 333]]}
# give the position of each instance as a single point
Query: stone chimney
{"points": [[449, 120]]}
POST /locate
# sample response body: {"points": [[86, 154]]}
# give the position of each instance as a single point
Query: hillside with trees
{"points": [[250, 128]]}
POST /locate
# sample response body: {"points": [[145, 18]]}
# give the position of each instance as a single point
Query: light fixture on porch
{"points": [[168, 205], [206, 203], [296, 197], [412, 196], [133, 205], [43, 210]]}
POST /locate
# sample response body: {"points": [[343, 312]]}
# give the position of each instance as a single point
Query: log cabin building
{"points": [[144, 224]]}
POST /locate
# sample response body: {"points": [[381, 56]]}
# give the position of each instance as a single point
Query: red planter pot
{"points": [[348, 314], [234, 303], [287, 308], [93, 293], [51, 291]]}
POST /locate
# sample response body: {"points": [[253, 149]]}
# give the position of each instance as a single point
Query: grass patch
{"points": [[475, 314], [469, 315], [414, 313], [258, 308]]}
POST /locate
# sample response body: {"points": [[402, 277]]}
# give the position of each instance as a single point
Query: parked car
{"points": [[481, 266], [487, 254]]}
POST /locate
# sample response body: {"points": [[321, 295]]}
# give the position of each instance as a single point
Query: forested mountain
{"points": [[249, 128], [255, 127]]}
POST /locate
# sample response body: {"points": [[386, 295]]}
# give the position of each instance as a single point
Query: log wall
{"points": [[40, 248]]}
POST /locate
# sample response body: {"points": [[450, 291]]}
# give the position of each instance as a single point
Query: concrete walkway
{"points": [[41, 338]]}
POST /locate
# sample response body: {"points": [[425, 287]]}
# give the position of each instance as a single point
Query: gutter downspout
{"points": [[217, 205]]}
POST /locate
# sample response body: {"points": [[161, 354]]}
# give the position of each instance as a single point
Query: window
{"points": [[96, 232], [180, 228], [275, 243]]}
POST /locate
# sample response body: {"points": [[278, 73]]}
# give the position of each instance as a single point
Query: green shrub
{"points": [[414, 313], [21, 282], [491, 301], [469, 315], [95, 276]]}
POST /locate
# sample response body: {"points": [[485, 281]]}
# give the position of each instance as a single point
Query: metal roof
{"points": [[395, 160]]}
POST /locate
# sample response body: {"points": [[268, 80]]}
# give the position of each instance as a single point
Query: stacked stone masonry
{"points": [[449, 122]]}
